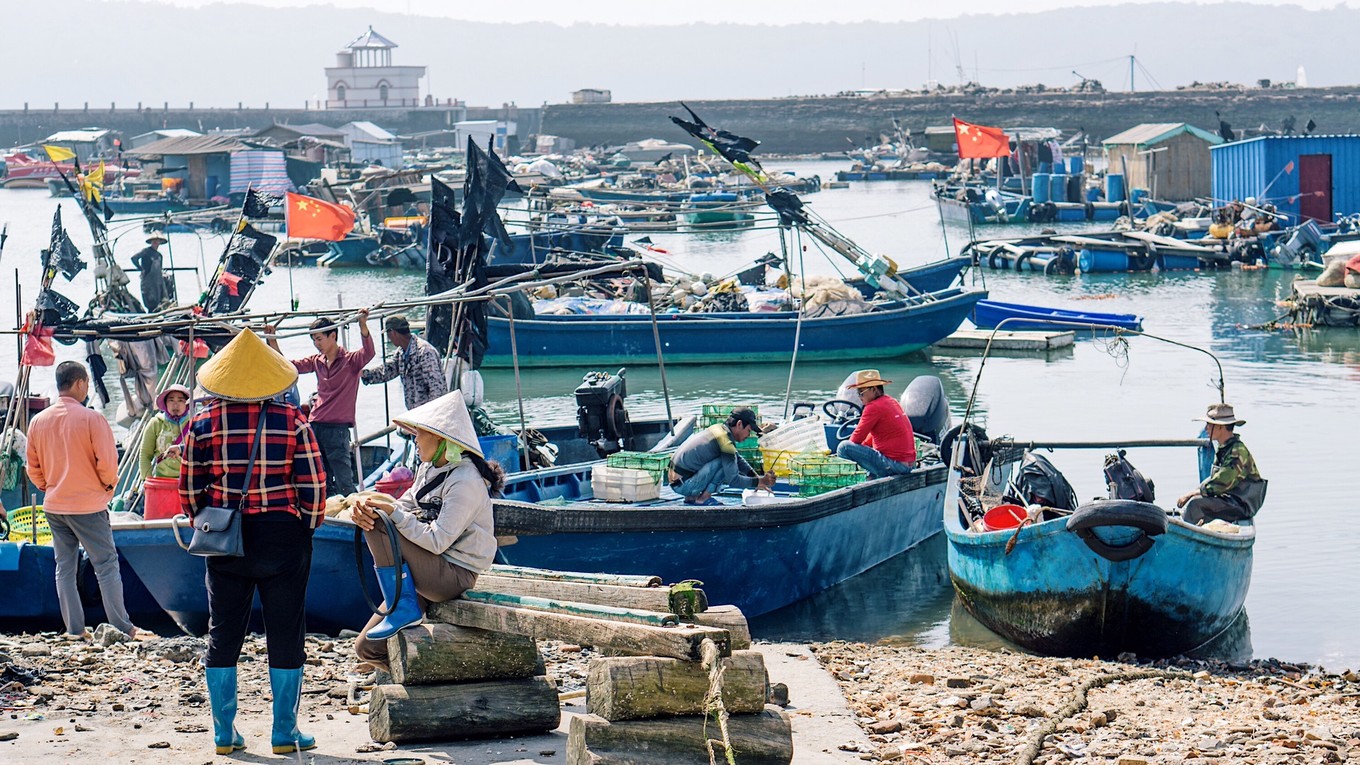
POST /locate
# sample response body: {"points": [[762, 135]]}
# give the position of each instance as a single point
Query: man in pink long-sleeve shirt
{"points": [[337, 387], [73, 458]]}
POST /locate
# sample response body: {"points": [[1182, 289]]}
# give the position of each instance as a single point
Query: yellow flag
{"points": [[59, 153], [92, 184]]}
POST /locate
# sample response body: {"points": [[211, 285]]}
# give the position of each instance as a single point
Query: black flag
{"points": [[257, 204], [444, 219], [730, 146], [63, 254]]}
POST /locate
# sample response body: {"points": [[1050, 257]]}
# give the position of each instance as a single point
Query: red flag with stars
{"points": [[310, 218], [980, 141]]}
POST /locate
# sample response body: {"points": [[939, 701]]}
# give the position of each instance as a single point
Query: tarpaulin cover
{"points": [[263, 169]]}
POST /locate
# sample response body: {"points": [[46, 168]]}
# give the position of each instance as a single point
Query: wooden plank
{"points": [[1009, 340], [466, 710], [658, 619], [640, 687], [638, 598], [680, 642], [1166, 242], [433, 653], [759, 739], [728, 618], [620, 580]]}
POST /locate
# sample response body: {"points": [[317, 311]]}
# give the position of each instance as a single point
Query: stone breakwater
{"points": [[964, 705]]}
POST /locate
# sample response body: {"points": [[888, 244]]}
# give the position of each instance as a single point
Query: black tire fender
{"points": [[1150, 520]]}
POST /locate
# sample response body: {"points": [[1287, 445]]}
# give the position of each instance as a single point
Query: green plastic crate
{"points": [[655, 463], [716, 414], [750, 451], [817, 473]]}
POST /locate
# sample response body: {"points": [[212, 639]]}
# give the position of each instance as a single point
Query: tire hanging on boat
{"points": [[1147, 518]]}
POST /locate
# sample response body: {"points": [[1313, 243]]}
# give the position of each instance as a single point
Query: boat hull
{"points": [[728, 337], [988, 314], [1054, 595], [758, 558], [28, 591]]}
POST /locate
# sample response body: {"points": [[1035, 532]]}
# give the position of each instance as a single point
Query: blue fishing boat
{"points": [[976, 205], [28, 590], [1094, 579], [891, 330], [989, 313]]}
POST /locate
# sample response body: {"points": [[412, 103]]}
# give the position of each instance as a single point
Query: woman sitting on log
{"points": [[444, 521]]}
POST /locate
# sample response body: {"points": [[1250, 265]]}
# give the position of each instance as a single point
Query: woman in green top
{"points": [[162, 437]]}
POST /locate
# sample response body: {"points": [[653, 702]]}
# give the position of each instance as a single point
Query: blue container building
{"points": [[1313, 177]]}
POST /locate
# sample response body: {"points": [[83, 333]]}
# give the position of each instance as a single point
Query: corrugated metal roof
{"points": [[1151, 133], [1296, 137], [315, 129], [199, 144], [88, 135], [372, 130]]}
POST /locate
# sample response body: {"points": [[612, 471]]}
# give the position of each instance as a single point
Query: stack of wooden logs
{"points": [[473, 670]]}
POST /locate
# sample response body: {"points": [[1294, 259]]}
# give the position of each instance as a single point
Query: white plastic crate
{"points": [[614, 484]]}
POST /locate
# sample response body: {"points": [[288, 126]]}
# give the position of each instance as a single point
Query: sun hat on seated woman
{"points": [[446, 417], [246, 370]]}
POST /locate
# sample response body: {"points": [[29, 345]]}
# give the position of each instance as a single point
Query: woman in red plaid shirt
{"points": [[284, 504]]}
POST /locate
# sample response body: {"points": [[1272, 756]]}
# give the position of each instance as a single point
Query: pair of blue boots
{"points": [[286, 685]]}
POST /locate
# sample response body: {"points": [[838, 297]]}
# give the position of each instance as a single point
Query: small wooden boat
{"points": [[989, 313], [891, 330], [1098, 579]]}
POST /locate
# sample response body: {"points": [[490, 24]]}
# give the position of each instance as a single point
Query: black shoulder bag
{"points": [[217, 530]]}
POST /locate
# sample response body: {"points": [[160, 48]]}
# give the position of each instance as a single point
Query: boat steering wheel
{"points": [[847, 419]]}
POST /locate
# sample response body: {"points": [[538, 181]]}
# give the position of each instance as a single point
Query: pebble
{"points": [[779, 694], [922, 679], [953, 701], [35, 649], [958, 682], [8, 735], [883, 727]]}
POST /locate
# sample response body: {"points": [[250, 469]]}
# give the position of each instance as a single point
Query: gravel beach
{"points": [[967, 705]]}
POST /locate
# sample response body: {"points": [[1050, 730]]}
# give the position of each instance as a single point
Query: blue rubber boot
{"points": [[407, 610], [287, 687], [222, 696]]}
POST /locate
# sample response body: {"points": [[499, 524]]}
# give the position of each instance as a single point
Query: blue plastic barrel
{"points": [[1114, 187], [1057, 188], [1093, 261], [1136, 196], [502, 449], [1040, 183], [1075, 165], [1045, 168], [1093, 194]]}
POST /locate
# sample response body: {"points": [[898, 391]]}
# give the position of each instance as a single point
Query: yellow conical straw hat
{"points": [[446, 417], [246, 370]]}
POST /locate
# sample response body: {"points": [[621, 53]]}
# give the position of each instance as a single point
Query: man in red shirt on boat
{"points": [[883, 442]]}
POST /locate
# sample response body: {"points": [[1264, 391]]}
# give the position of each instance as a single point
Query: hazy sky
{"points": [[742, 11]]}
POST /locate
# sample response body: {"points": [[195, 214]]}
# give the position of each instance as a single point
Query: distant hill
{"points": [[126, 52]]}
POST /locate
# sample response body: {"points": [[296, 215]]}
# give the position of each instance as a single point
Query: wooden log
{"points": [[638, 598], [728, 618], [621, 580], [467, 710], [592, 610], [433, 653], [759, 739], [634, 688], [679, 642]]}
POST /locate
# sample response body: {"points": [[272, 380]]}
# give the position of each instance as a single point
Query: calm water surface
{"points": [[1292, 389]]}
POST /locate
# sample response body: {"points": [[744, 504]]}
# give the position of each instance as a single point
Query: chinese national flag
{"points": [[310, 218], [981, 142]]}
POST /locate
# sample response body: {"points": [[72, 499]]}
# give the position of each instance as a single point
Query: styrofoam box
{"points": [[614, 484]]}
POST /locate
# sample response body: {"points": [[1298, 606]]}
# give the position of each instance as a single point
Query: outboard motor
{"points": [[926, 405], [600, 415]]}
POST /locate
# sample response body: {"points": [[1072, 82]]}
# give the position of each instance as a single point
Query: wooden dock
{"points": [[1007, 340]]}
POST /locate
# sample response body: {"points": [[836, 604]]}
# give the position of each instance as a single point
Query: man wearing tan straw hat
{"points": [[1234, 490], [148, 262], [283, 504], [447, 532], [883, 442]]}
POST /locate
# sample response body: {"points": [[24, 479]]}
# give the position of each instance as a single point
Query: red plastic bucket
{"points": [[393, 489], [1004, 517], [162, 498]]}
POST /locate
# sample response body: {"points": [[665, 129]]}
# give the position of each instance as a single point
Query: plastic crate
{"points": [[781, 460], [716, 414], [658, 464], [818, 474], [750, 451], [21, 523], [616, 484]]}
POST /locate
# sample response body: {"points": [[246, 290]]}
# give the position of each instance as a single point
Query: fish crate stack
{"points": [[473, 670], [819, 473]]}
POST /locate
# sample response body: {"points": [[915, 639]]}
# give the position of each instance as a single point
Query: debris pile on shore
{"points": [[959, 704]]}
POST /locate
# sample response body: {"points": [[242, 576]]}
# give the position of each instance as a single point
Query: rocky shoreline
{"points": [[967, 705]]}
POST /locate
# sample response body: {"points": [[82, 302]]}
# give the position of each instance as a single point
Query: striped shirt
{"points": [[422, 377], [288, 475]]}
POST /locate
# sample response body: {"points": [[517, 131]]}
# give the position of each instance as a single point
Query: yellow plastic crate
{"points": [[21, 522], [781, 461]]}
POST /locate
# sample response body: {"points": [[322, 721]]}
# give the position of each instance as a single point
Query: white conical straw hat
{"points": [[446, 417], [246, 370]]}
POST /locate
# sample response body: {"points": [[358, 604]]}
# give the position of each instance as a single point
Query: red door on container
{"points": [[1315, 187]]}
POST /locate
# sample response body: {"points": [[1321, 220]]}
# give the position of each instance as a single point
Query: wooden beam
{"points": [[728, 618], [619, 580], [637, 598], [466, 710], [680, 642], [433, 653], [759, 739], [654, 618], [639, 687]]}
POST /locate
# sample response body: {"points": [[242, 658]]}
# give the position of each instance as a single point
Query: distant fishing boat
{"points": [[989, 313]]}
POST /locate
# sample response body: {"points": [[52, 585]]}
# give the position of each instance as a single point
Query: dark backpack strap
{"points": [[250, 466], [433, 484]]}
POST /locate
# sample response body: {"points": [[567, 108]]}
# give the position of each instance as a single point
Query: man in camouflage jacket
{"points": [[1227, 493]]}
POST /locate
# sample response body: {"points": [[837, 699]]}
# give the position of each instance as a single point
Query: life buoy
{"points": [[1146, 517]]}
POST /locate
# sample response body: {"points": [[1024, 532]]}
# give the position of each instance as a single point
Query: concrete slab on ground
{"points": [[822, 721]]}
